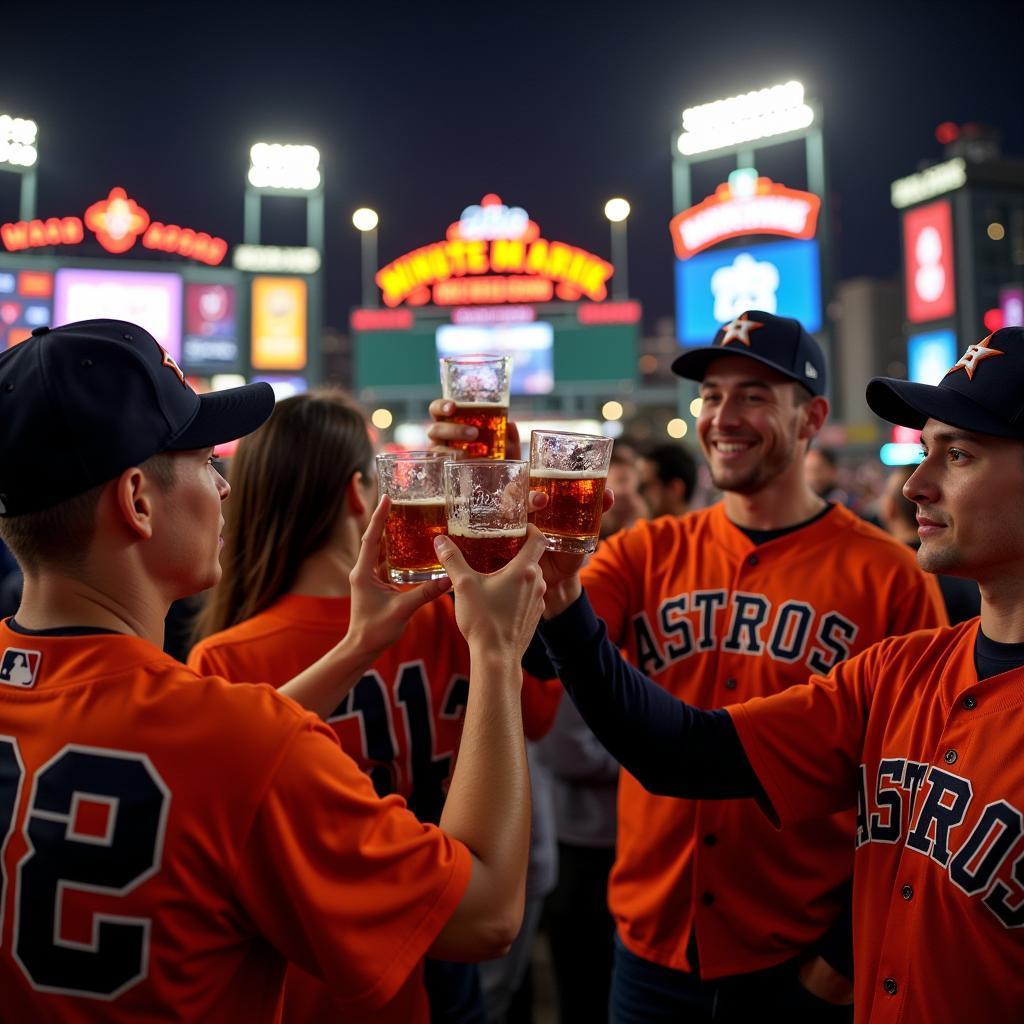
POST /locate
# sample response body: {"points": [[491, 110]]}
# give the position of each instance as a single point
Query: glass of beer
{"points": [[478, 385], [571, 469], [486, 505], [414, 481]]}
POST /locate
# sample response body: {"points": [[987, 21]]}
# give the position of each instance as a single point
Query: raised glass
{"points": [[486, 504], [414, 481], [478, 385]]}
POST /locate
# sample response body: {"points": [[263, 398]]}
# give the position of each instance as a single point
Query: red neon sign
{"points": [[608, 312], [493, 254], [928, 259], [117, 222], [768, 209], [381, 319]]}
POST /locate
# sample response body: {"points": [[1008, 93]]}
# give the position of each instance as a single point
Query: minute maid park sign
{"points": [[493, 254]]}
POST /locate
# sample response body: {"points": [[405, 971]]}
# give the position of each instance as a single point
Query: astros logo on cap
{"points": [[975, 354], [168, 360], [739, 330]]}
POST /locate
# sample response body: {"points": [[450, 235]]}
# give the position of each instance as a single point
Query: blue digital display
{"points": [[778, 277], [930, 355]]}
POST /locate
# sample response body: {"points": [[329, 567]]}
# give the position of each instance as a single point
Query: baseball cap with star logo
{"points": [[81, 403], [983, 391], [776, 341]]}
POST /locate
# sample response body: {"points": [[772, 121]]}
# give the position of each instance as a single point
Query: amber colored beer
{"points": [[572, 517], [490, 421], [487, 550], [409, 535]]}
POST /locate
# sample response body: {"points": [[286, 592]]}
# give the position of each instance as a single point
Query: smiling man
{"points": [[920, 734], [719, 916]]}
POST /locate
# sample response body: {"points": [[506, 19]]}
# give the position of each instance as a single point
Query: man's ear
{"points": [[133, 502], [815, 414]]}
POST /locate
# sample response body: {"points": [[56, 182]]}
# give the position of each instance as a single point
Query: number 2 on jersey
{"points": [[131, 801]]}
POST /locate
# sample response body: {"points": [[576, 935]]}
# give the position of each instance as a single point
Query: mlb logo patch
{"points": [[19, 667]]}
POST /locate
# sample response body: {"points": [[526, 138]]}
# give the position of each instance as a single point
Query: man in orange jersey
{"points": [[169, 841], [716, 912], [920, 734]]}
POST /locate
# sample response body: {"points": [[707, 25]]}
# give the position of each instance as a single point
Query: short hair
{"points": [[60, 534], [673, 462]]}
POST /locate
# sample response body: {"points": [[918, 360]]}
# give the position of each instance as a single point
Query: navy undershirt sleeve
{"points": [[671, 748]]}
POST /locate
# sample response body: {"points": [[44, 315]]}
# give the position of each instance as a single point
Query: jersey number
{"points": [[428, 770], [95, 823]]}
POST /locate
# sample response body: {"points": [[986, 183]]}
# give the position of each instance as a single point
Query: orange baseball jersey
{"points": [[930, 758], [168, 842], [714, 619], [401, 723]]}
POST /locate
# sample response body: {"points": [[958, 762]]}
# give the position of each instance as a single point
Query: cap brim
{"points": [[226, 415], [693, 365], [910, 404]]}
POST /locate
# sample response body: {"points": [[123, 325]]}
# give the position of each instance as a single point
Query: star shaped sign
{"points": [[116, 221], [739, 330], [975, 354]]}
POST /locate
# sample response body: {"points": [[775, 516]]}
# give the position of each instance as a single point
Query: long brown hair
{"points": [[288, 482]]}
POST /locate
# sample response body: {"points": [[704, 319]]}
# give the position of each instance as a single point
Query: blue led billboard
{"points": [[930, 355], [778, 277]]}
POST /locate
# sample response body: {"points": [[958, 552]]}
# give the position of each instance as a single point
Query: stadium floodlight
{"points": [[616, 209], [756, 115], [17, 142], [292, 168], [365, 219]]}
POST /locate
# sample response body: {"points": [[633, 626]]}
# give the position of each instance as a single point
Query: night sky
{"points": [[419, 110]]}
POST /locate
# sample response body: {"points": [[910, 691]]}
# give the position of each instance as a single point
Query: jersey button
{"points": [[907, 892], [752, 560], [949, 757], [710, 839], [730, 684], [890, 986], [970, 703], [707, 898]]}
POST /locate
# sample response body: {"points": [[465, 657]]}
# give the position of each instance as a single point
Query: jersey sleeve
{"points": [[805, 742], [205, 660], [916, 603], [350, 887], [613, 578]]}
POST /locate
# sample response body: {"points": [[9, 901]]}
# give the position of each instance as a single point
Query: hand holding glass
{"points": [[486, 504], [479, 386]]}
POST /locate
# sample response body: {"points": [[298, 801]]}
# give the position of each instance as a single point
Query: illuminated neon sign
{"points": [[493, 254], [117, 222], [746, 205]]}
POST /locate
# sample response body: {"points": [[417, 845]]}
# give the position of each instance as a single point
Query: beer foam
{"points": [[499, 406], [543, 473], [459, 530], [439, 502]]}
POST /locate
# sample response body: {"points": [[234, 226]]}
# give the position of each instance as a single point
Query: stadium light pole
{"points": [[19, 151], [617, 211], [365, 221]]}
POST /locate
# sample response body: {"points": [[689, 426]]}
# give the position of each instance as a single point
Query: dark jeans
{"points": [[580, 932], [647, 993]]}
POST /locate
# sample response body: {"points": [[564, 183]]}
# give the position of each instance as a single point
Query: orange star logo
{"points": [[168, 360], [975, 354], [739, 330], [116, 221]]}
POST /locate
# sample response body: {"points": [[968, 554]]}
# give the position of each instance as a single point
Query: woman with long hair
{"points": [[302, 491]]}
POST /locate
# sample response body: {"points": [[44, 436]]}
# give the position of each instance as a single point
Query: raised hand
{"points": [[381, 610], [497, 613], [442, 433]]}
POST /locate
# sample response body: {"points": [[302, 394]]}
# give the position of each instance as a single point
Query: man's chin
{"points": [[941, 562]]}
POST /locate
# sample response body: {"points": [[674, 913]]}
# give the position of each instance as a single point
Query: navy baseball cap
{"points": [[80, 404], [983, 391], [777, 341]]}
